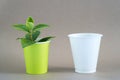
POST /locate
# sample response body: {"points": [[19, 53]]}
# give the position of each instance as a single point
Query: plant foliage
{"points": [[32, 32]]}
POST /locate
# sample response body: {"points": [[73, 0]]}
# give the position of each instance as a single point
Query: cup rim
{"points": [[43, 42], [85, 35]]}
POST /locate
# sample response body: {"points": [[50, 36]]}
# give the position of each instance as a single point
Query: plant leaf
{"points": [[27, 36], [34, 35], [25, 42], [29, 25], [30, 19], [21, 27], [39, 27], [46, 39]]}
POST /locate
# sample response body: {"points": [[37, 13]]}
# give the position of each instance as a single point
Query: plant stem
{"points": [[31, 35]]}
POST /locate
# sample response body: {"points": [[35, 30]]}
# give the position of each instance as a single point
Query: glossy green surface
{"points": [[36, 58]]}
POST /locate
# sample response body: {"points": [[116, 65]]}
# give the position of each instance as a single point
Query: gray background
{"points": [[64, 17]]}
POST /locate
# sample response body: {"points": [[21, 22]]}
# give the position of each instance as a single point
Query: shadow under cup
{"points": [[85, 50]]}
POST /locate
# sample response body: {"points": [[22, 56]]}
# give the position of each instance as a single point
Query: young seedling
{"points": [[32, 32]]}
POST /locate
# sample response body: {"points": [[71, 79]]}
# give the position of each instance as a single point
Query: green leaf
{"points": [[33, 37], [21, 27], [30, 19], [46, 39], [40, 26], [25, 42], [27, 36], [29, 25]]}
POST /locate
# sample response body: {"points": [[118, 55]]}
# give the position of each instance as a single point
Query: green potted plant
{"points": [[35, 49]]}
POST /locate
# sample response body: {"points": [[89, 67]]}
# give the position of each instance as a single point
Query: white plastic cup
{"points": [[85, 51]]}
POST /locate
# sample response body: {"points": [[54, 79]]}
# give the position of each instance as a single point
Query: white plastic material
{"points": [[85, 50]]}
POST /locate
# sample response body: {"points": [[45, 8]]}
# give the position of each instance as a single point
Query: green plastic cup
{"points": [[36, 58]]}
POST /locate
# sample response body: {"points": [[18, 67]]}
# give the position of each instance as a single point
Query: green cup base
{"points": [[36, 73]]}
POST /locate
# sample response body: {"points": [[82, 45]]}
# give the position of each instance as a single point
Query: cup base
{"points": [[36, 73], [85, 71]]}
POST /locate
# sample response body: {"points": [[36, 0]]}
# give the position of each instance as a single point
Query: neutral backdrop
{"points": [[64, 17]]}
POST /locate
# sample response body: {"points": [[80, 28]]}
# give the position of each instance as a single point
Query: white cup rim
{"points": [[85, 35]]}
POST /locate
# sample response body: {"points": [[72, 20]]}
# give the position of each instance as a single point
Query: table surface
{"points": [[63, 74]]}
